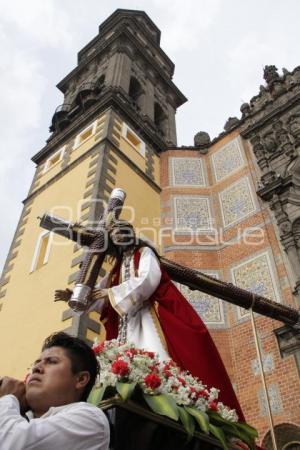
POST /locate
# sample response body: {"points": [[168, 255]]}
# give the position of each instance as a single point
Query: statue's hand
{"points": [[62, 295], [99, 299], [99, 294]]}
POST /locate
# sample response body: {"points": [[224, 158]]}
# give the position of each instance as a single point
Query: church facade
{"points": [[228, 207]]}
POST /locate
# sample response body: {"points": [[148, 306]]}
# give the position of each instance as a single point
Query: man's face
{"points": [[52, 382]]}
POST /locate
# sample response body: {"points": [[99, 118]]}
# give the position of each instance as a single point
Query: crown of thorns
{"points": [[122, 225]]}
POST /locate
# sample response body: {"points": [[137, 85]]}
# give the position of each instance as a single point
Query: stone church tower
{"points": [[227, 206]]}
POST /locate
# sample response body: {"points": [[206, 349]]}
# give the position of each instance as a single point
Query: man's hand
{"points": [[14, 387], [62, 295]]}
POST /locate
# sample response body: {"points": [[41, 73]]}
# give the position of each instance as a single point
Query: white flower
{"points": [[181, 385]]}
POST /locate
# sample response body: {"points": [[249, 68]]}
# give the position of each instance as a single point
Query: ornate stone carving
{"points": [[269, 143], [283, 221], [259, 152], [270, 74], [284, 139], [273, 128], [294, 128], [231, 123], [245, 109], [202, 139], [275, 83]]}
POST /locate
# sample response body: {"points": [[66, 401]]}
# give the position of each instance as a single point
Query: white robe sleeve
{"points": [[79, 428], [129, 296]]}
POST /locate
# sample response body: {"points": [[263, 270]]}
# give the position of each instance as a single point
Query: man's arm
{"points": [[78, 426]]}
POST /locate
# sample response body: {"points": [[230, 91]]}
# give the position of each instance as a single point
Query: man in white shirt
{"points": [[55, 395]]}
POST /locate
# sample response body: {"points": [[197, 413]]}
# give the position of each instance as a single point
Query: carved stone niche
{"points": [[287, 237], [294, 128], [288, 340], [283, 139], [270, 143]]}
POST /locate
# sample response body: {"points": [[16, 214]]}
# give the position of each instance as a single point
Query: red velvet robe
{"points": [[188, 340]]}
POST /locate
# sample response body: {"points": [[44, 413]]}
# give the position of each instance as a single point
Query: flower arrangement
{"points": [[167, 390]]}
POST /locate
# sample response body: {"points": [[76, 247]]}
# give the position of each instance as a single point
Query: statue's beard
{"points": [[119, 248]]}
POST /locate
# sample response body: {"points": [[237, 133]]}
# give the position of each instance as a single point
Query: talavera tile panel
{"points": [[275, 400], [236, 202], [256, 275], [209, 308], [192, 213], [228, 160], [187, 172]]}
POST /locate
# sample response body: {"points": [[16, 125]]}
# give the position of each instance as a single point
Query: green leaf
{"points": [[237, 429], [232, 431], [248, 429], [219, 434], [96, 395], [187, 421], [200, 416], [125, 389], [162, 404], [216, 417]]}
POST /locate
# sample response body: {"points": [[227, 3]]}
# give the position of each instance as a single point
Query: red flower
{"points": [[182, 381], [167, 373], [166, 370], [152, 381], [150, 354], [131, 353], [203, 394], [213, 405], [98, 348], [120, 367]]}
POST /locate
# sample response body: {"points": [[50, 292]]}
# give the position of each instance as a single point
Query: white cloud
{"points": [[46, 23], [185, 22], [219, 49]]}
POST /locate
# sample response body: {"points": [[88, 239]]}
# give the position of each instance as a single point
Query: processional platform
{"points": [[136, 428]]}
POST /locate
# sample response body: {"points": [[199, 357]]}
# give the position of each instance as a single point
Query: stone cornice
{"points": [[254, 125], [104, 45], [77, 161], [131, 164], [129, 14], [111, 99], [278, 186]]}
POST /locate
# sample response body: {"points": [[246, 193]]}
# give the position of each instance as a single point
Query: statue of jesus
{"points": [[139, 303]]}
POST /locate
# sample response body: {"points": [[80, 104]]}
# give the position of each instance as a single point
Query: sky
{"points": [[219, 48]]}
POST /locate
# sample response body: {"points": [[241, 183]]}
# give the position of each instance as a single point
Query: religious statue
{"points": [[139, 303]]}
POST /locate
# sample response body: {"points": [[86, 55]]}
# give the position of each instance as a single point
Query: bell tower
{"points": [[125, 68], [117, 116]]}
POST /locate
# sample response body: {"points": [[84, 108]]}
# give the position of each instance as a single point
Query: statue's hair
{"points": [[115, 252]]}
